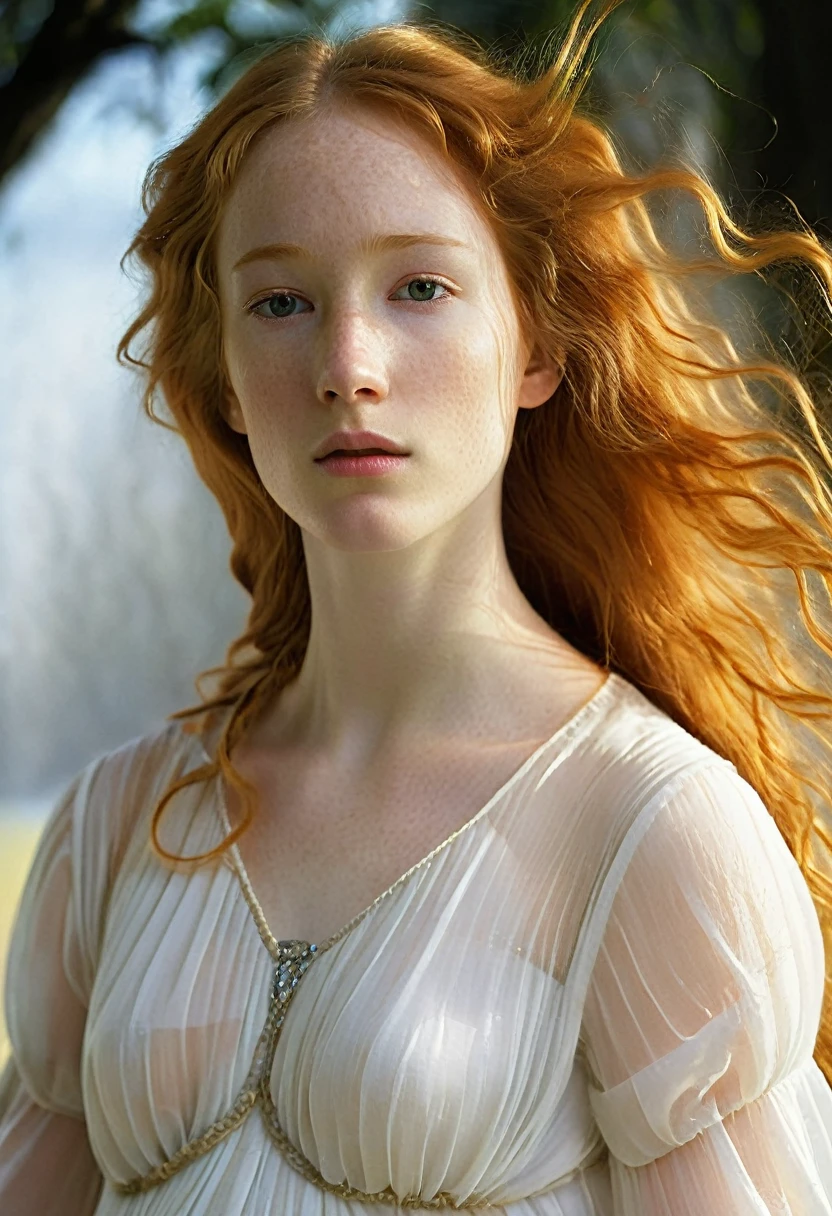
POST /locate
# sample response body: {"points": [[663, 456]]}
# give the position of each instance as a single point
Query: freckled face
{"points": [[352, 338]]}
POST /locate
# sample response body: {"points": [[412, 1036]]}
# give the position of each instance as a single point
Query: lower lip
{"points": [[361, 466]]}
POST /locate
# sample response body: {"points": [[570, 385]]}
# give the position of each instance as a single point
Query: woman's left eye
{"points": [[423, 285], [279, 304]]}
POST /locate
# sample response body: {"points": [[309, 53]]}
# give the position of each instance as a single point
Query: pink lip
{"points": [[352, 440], [361, 466]]}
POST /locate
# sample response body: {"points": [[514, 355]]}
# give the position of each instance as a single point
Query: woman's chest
{"points": [[322, 847], [425, 1027]]}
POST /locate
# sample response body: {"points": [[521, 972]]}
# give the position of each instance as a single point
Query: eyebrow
{"points": [[370, 245]]}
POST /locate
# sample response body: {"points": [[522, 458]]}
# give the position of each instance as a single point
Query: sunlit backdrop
{"points": [[115, 588]]}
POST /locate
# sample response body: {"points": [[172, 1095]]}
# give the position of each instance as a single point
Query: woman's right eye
{"points": [[278, 305]]}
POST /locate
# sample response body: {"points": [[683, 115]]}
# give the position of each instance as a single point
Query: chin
{"points": [[365, 527]]}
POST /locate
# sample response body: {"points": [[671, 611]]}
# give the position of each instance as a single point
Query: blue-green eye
{"points": [[278, 305], [421, 286]]}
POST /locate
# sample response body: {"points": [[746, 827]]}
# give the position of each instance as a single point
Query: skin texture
{"points": [[428, 678], [419, 630]]}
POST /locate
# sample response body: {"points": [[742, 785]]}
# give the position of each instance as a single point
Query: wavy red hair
{"points": [[667, 512]]}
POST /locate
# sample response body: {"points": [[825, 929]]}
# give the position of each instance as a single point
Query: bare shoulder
{"points": [[553, 687]]}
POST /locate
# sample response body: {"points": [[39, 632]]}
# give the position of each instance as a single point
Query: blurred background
{"points": [[115, 589]]}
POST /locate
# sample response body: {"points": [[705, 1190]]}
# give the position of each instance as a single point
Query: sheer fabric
{"points": [[599, 997]]}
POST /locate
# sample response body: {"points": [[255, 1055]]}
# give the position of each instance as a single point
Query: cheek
{"points": [[250, 356], [265, 381], [265, 396], [465, 397]]}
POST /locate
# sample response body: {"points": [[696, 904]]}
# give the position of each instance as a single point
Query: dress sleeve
{"points": [[46, 1165], [702, 1014]]}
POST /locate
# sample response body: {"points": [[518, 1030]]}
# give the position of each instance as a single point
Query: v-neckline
{"points": [[277, 947]]}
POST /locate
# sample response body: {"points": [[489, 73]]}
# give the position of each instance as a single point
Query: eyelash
{"points": [[418, 278]]}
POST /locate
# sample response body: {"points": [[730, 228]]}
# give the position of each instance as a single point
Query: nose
{"points": [[353, 362]]}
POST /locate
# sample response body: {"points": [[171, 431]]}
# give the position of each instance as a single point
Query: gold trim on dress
{"points": [[293, 959]]}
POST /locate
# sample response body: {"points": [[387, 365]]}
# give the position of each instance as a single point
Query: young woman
{"points": [[487, 878]]}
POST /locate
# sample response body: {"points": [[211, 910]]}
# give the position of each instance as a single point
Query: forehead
{"points": [[346, 173]]}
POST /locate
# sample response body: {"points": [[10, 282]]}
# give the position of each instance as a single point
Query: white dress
{"points": [[599, 996]]}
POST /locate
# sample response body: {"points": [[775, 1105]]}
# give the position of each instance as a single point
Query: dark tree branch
{"points": [[72, 39]]}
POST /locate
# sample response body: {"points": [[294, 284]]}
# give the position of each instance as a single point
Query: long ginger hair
{"points": [[668, 511]]}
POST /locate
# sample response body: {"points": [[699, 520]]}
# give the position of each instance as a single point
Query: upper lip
{"points": [[350, 440]]}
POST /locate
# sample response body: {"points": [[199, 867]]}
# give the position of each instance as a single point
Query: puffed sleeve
{"points": [[46, 1165], [702, 1014]]}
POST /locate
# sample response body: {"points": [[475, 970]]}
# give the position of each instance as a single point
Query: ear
{"points": [[542, 376], [231, 412]]}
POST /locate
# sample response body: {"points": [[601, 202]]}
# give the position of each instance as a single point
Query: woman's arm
{"points": [[46, 1164], [702, 1014]]}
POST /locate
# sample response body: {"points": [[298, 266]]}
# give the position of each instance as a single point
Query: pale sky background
{"points": [[115, 588], [79, 461]]}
